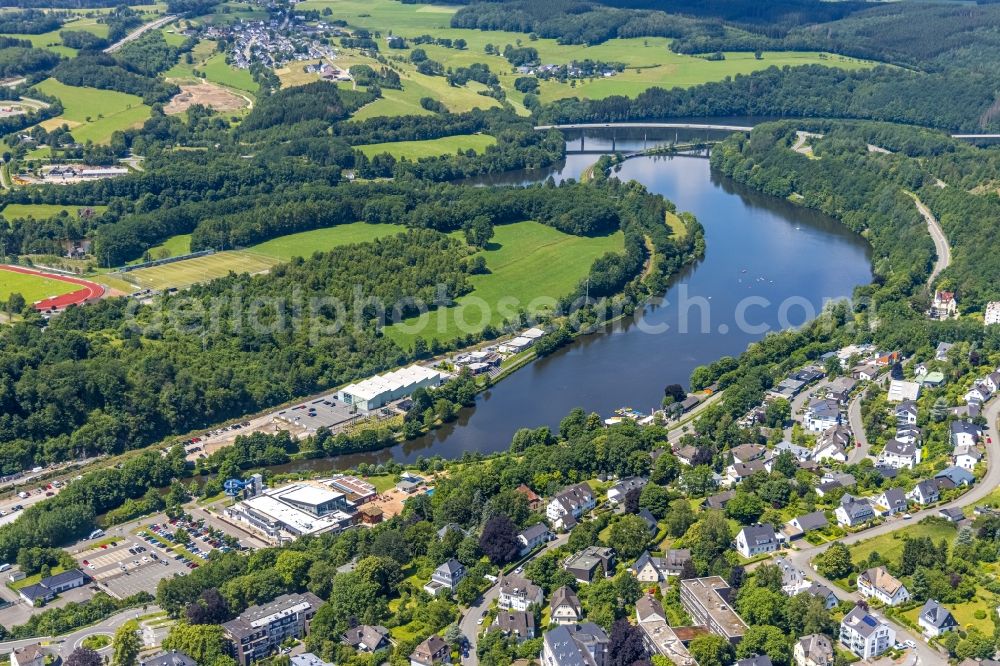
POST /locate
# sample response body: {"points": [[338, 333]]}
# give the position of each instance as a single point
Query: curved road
{"points": [[941, 247], [802, 557], [63, 645], [861, 443]]}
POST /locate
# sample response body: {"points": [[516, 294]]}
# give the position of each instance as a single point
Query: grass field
{"points": [[649, 61], [32, 287], [92, 114], [42, 211], [526, 260], [319, 240], [172, 247], [890, 546], [447, 145], [212, 65], [200, 269], [53, 42]]}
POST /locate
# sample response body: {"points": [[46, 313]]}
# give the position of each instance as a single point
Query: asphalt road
{"points": [[802, 558], [862, 445], [941, 247], [471, 616], [63, 645], [138, 32]]}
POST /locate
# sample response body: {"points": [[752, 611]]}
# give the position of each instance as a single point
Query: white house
{"points": [[865, 635], [565, 606], [833, 444], [900, 390], [519, 594], [533, 537], [964, 433], [853, 511], [979, 393], [878, 583], [446, 577], [967, 457], [617, 492], [906, 413], [935, 619], [822, 414], [813, 650], [754, 540], [568, 505], [892, 501], [900, 454], [992, 381], [992, 313]]}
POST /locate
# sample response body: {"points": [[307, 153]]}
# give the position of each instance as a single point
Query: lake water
{"points": [[768, 265]]}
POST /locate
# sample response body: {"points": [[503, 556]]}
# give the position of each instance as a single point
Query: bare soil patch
{"points": [[208, 94]]}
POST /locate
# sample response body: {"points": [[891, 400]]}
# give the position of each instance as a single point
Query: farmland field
{"points": [[526, 260], [447, 145], [92, 114], [319, 240], [200, 269], [42, 211], [32, 287]]}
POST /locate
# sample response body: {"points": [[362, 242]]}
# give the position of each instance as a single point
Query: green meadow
{"points": [[447, 145], [43, 211], [94, 114], [305, 243], [525, 261]]}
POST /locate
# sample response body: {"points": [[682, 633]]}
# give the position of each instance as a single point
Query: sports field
{"points": [[446, 145], [526, 260], [304, 244], [649, 61], [92, 114], [32, 287], [200, 269], [43, 211]]}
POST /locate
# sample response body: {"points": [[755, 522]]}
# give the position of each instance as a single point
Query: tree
{"points": [[674, 393], [82, 656], [630, 503], [15, 303], [698, 481], [759, 605], [479, 231], [629, 536], [711, 650], [126, 644], [777, 413], [712, 536], [744, 507], [765, 639], [807, 614], [499, 539], [680, 518], [665, 469], [656, 499], [835, 561], [625, 644], [210, 608], [204, 643], [939, 411]]}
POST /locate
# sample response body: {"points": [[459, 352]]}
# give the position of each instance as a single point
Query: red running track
{"points": [[91, 291]]}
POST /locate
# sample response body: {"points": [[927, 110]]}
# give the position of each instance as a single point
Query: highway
{"points": [[802, 558], [138, 32], [468, 623]]}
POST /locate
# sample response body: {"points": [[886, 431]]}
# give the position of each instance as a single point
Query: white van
{"points": [[4, 567], [23, 495], [96, 534]]}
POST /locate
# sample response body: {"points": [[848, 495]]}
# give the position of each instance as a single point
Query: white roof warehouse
{"points": [[379, 390]]}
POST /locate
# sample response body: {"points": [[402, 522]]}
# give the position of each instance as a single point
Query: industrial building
{"points": [[286, 513], [380, 390]]}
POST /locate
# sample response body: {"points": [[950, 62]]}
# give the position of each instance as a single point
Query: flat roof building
{"points": [[259, 630], [380, 390], [707, 601], [286, 513]]}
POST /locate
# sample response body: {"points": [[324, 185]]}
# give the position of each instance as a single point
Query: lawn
{"points": [[305, 243], [92, 114], [32, 287], [53, 42], [890, 546], [43, 211], [526, 261], [649, 61], [447, 145], [184, 273], [965, 613], [212, 66]]}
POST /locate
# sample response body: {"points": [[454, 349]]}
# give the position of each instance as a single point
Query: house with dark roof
{"points": [[719, 500], [966, 457], [583, 644], [965, 433], [744, 453], [569, 505], [432, 651], [519, 594], [822, 414], [532, 537], [891, 501], [366, 638], [853, 511], [954, 514], [906, 413], [658, 636], [514, 623], [925, 492], [957, 475], [260, 630], [807, 522], [754, 540], [900, 454], [445, 578], [864, 635], [935, 619], [813, 650], [738, 471], [650, 520], [585, 564], [47, 588], [565, 607], [755, 660], [617, 492]]}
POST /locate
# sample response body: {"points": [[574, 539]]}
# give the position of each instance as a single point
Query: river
{"points": [[787, 260]]}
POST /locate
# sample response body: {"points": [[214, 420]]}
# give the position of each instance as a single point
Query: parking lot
{"points": [[127, 567]]}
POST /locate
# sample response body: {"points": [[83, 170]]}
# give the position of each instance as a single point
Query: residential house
{"points": [[979, 393], [992, 381], [585, 564], [878, 583], [744, 453], [823, 593], [965, 433], [933, 379], [583, 644], [718, 501], [908, 434], [956, 475], [517, 624], [944, 305], [822, 414], [649, 569], [966, 457], [906, 413], [900, 454], [564, 607], [807, 522], [568, 505], [519, 594], [534, 501], [952, 515], [756, 660], [446, 577], [865, 372], [941, 352], [827, 487], [737, 472], [853, 511], [618, 491], [840, 389], [887, 358], [686, 455], [800, 453], [754, 540], [30, 655], [833, 444], [892, 501], [935, 619], [925, 492], [865, 635], [259, 631], [532, 537], [813, 650], [366, 638], [648, 518], [900, 390], [172, 658], [432, 651]]}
